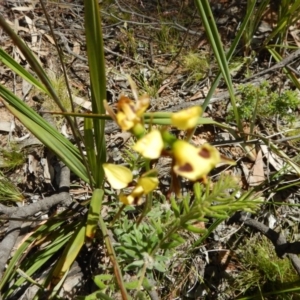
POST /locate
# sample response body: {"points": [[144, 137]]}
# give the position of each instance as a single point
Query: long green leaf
{"points": [[94, 213], [290, 74], [290, 16], [38, 69], [33, 62], [209, 24], [50, 137], [89, 143], [18, 69], [43, 230], [230, 53], [70, 253], [41, 257], [95, 52]]}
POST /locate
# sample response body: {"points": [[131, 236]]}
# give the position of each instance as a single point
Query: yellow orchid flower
{"points": [[186, 118], [124, 122], [194, 163], [148, 184], [118, 176], [142, 104], [129, 112], [150, 145], [126, 115], [144, 186]]}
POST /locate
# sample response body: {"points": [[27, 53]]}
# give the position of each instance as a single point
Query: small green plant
{"points": [[135, 242], [294, 132], [149, 81], [10, 159], [196, 65], [168, 39], [237, 63], [262, 102], [59, 84], [129, 42], [8, 191], [147, 250], [262, 270], [112, 14]]}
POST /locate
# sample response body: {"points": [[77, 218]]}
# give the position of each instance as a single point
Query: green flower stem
{"points": [[149, 197], [159, 118], [113, 258], [168, 138], [189, 134], [117, 215]]}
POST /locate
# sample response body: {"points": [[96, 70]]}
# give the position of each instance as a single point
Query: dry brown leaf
{"points": [[5, 126], [198, 95], [50, 38], [257, 174], [23, 8], [83, 103], [275, 160], [32, 30], [76, 47], [294, 32]]}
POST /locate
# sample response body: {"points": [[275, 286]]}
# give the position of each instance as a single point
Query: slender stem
{"points": [[113, 258]]}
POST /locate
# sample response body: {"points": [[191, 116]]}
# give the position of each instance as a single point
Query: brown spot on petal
{"points": [[186, 168], [204, 153]]}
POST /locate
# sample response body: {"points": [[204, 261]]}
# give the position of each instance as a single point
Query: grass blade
{"points": [[290, 74], [64, 149], [42, 231], [230, 53], [90, 145], [215, 42], [18, 69], [95, 51], [58, 240], [70, 253], [94, 213]]}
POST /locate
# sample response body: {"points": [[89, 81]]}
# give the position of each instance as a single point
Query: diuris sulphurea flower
{"points": [[194, 163], [186, 118], [144, 186], [118, 176], [151, 145], [129, 113]]}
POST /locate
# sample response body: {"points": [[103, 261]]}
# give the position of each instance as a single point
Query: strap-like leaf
{"points": [[48, 135]]}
